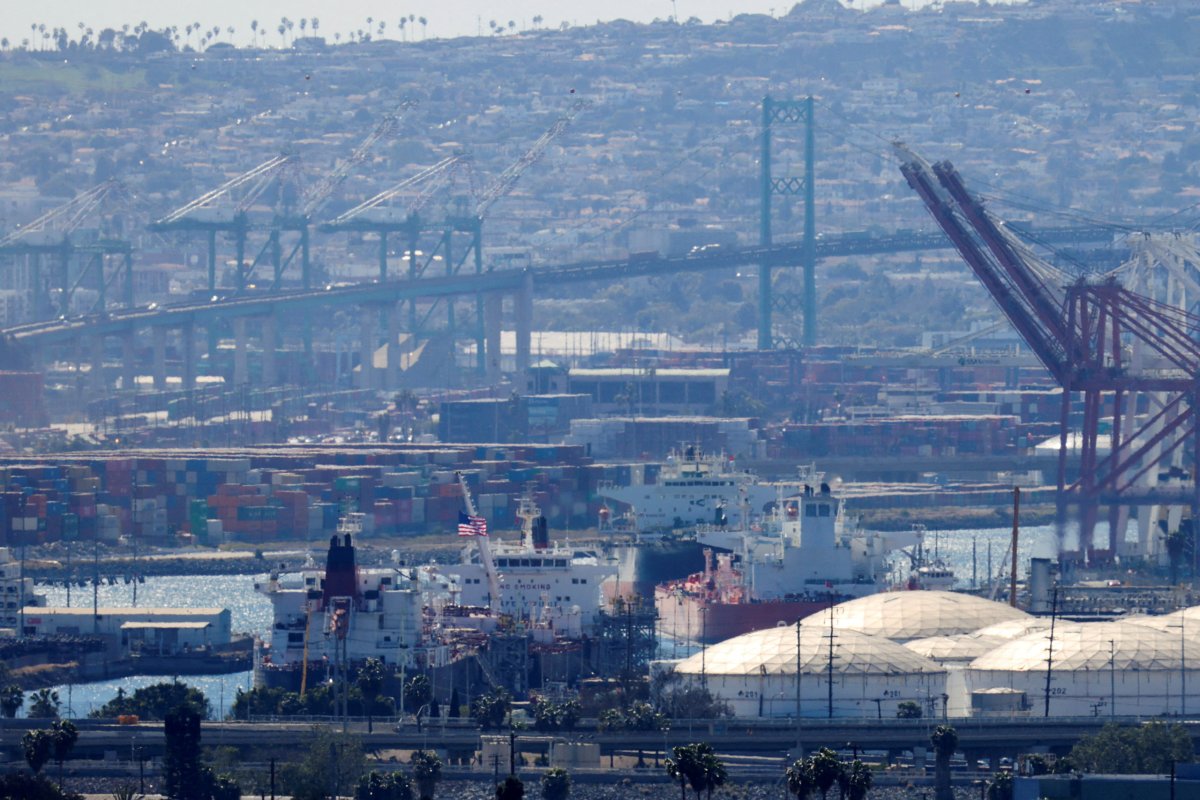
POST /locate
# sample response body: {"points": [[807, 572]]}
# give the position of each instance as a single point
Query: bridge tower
{"points": [[785, 112]]}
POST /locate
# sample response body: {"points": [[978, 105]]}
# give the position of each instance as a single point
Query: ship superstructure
{"points": [[693, 488], [16, 591], [538, 582], [794, 562], [341, 614]]}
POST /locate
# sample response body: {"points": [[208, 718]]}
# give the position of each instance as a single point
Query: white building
{"points": [[209, 625]]}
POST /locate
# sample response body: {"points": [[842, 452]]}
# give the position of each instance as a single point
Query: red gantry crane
{"points": [[1134, 361]]}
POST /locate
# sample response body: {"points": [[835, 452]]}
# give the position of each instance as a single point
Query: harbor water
{"points": [[251, 611]]}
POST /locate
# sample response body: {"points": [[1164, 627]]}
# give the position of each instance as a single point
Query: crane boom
{"points": [[318, 194], [259, 177], [507, 179], [485, 548], [424, 175], [69, 215]]}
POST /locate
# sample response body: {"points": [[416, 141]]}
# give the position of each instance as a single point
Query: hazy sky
{"points": [[446, 17]]}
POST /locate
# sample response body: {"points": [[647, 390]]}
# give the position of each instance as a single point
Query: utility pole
{"points": [[1050, 652], [799, 748], [829, 666]]}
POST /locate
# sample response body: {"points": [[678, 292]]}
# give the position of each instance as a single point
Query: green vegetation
{"points": [[63, 735], [417, 693], [11, 700], [427, 772], [490, 710], [556, 784], [696, 765], [383, 786], [55, 77], [1148, 749], [550, 716], [511, 788], [154, 702], [639, 716], [330, 764], [45, 704], [1000, 787], [269, 701], [822, 770], [908, 709], [184, 776], [945, 741], [37, 746]]}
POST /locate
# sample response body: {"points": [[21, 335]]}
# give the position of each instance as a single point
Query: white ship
{"points": [[693, 488], [545, 585], [338, 616], [17, 591]]}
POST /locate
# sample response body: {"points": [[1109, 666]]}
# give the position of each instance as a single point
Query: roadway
{"points": [[223, 305], [978, 737]]}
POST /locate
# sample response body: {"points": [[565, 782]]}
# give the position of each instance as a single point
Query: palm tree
{"points": [[63, 735], [37, 746], [556, 784], [511, 788], [254, 31], [45, 704], [715, 774], [826, 767], [537, 21], [424, 23], [11, 696], [511, 26], [691, 765], [800, 779], [945, 741], [316, 23], [858, 779], [427, 772]]}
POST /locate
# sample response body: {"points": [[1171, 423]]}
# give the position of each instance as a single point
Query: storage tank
{"points": [[756, 674]]}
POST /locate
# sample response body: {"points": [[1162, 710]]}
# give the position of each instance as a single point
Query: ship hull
{"points": [[642, 566], [708, 622]]}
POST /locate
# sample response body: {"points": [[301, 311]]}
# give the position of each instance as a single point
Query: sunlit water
{"points": [[251, 611]]}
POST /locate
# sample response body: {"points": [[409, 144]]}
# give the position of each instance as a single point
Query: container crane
{"points": [[202, 213], [431, 180], [1110, 345], [471, 225], [51, 235], [485, 548], [317, 196]]}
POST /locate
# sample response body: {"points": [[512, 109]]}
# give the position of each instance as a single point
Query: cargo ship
{"points": [[693, 488], [656, 556], [328, 621], [800, 559], [533, 581]]}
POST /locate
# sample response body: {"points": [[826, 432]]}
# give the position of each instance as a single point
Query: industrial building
{"points": [[158, 630]]}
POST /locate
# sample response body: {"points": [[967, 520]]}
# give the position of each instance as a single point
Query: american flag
{"points": [[471, 525]]}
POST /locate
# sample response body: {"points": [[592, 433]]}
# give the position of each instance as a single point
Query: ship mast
{"points": [[485, 548]]}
